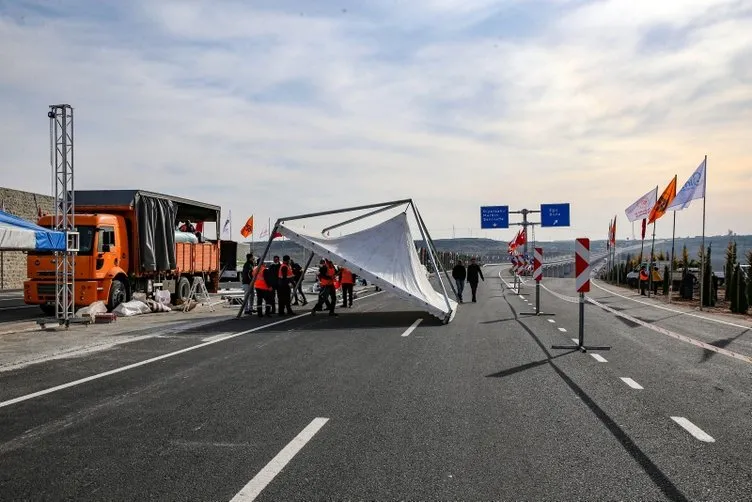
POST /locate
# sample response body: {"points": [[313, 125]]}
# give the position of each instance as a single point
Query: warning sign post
{"points": [[538, 276], [582, 284]]}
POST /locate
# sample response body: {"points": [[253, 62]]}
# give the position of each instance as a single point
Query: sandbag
{"points": [[131, 308], [162, 296], [92, 310], [156, 306]]}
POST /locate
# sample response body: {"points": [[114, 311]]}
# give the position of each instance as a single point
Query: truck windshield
{"points": [[86, 240]]}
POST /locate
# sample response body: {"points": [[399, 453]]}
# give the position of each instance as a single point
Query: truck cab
{"points": [[101, 264]]}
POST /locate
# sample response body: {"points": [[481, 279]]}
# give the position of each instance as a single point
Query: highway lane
{"points": [[677, 379], [481, 408], [13, 308]]}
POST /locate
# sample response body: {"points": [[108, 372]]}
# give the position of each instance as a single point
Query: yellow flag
{"points": [[663, 201]]}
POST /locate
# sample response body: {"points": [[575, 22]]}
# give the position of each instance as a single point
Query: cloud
{"points": [[286, 107]]}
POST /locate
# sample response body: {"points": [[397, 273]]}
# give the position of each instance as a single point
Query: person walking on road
{"points": [[473, 272], [297, 272], [327, 294], [264, 291], [347, 280], [459, 274], [246, 278], [284, 280], [273, 273]]}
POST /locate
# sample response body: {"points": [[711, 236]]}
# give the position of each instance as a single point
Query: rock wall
{"points": [[24, 205]]}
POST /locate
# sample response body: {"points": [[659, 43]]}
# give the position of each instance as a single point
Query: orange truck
{"points": [[129, 243]]}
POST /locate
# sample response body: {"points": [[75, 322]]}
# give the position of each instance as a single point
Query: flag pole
{"points": [[702, 271], [671, 267], [650, 261]]}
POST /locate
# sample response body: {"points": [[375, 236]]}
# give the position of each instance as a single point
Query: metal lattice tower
{"points": [[61, 160]]}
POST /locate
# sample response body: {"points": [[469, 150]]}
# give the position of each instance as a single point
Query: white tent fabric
{"points": [[385, 255]]}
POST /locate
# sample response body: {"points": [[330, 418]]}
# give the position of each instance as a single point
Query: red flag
{"points": [[521, 238], [200, 227], [276, 234], [247, 228]]}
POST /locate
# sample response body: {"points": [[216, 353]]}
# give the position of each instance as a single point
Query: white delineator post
{"points": [[582, 278]]}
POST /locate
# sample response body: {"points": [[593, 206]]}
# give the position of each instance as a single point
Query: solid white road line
{"points": [[689, 314], [521, 297], [670, 333], [599, 358], [148, 361], [631, 383], [693, 429], [19, 307], [551, 321], [563, 330], [412, 327], [275, 465]]}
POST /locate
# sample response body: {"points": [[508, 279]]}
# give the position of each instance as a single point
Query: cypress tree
{"points": [[685, 260], [730, 262], [707, 288], [749, 277], [666, 280], [733, 296], [742, 286]]}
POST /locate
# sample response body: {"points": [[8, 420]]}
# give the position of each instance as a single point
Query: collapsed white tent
{"points": [[383, 254]]}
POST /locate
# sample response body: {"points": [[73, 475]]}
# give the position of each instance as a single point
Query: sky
{"points": [[280, 107]]}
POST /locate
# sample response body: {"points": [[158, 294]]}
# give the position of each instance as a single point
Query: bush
{"points": [[666, 280], [708, 298]]}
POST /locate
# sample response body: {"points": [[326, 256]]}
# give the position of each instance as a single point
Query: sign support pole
{"points": [[582, 281], [538, 276]]}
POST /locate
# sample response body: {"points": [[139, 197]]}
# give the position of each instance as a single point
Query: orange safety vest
{"points": [[347, 277], [287, 267], [643, 275], [260, 282], [326, 280]]}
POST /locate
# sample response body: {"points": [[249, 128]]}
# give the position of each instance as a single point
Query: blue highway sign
{"points": [[555, 215], [494, 217]]}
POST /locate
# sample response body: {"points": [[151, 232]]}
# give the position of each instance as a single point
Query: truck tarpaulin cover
{"points": [[156, 227], [385, 255]]}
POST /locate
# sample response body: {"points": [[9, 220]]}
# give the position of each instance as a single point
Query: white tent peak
{"points": [[384, 254]]}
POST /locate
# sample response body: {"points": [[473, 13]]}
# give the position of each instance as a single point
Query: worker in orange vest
{"points": [[263, 290], [326, 281], [347, 280], [644, 278], [285, 278]]}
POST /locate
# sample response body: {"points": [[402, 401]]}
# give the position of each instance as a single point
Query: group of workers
{"points": [[279, 283]]}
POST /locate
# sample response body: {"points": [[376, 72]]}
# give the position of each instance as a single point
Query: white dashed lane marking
{"points": [[631, 383], [563, 330], [599, 358], [693, 429]]}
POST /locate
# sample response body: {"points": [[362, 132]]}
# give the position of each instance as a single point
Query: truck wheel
{"points": [[182, 290], [48, 309], [117, 295]]}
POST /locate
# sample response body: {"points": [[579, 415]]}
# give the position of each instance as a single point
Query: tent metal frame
{"points": [[378, 208]]}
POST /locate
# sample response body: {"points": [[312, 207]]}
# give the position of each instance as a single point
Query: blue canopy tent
{"points": [[17, 234]]}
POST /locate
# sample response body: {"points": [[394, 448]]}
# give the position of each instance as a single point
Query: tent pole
{"points": [[431, 245], [352, 220], [346, 210], [433, 260], [302, 276], [251, 291]]}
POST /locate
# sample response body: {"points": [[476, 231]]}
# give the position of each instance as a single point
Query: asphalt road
{"points": [[361, 407], [13, 308]]}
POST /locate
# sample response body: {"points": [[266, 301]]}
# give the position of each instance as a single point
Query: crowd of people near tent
{"points": [[279, 285]]}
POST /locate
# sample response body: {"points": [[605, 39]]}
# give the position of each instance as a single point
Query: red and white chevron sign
{"points": [[538, 264], [582, 265]]}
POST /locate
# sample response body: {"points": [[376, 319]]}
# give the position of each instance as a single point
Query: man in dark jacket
{"points": [[246, 277], [272, 281], [473, 272], [297, 271], [459, 274]]}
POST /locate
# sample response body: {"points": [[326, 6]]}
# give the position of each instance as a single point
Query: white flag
{"points": [[641, 208], [226, 234], [693, 189]]}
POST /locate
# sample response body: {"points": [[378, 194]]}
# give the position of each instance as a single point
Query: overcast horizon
{"points": [[278, 107]]}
